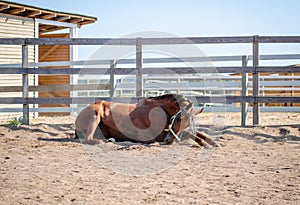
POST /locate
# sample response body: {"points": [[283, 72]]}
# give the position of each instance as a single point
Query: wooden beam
{"points": [[45, 27], [62, 18], [53, 88], [144, 41], [86, 22], [52, 28], [49, 16], [196, 40], [17, 11], [255, 86], [244, 106], [139, 65], [42, 27], [29, 12], [134, 71], [112, 79], [75, 20], [279, 39], [4, 7], [25, 93], [34, 13], [202, 99]]}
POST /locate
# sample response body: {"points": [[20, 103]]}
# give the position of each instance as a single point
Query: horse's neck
{"points": [[171, 108]]}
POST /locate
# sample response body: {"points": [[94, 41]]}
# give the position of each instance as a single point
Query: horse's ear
{"points": [[199, 111], [106, 111]]}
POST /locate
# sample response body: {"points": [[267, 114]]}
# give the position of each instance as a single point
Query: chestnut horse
{"points": [[154, 119]]}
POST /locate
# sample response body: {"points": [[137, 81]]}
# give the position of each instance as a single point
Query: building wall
{"points": [[11, 27], [283, 91]]}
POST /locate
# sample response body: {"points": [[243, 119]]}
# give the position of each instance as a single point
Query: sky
{"points": [[188, 18], [185, 18]]}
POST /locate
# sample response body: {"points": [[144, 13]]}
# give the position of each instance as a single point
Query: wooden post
{"points": [[112, 79], [255, 81], [73, 57], [139, 64], [178, 81], [25, 84], [244, 106]]}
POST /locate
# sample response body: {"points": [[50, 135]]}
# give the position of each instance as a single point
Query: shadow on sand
{"points": [[259, 134]]}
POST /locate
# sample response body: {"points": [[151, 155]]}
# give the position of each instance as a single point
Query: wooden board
{"points": [[51, 53]]}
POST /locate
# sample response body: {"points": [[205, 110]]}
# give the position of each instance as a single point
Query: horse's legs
{"points": [[200, 141], [201, 138], [92, 126], [207, 138]]}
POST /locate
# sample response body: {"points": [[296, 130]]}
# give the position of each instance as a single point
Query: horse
{"points": [[154, 119]]}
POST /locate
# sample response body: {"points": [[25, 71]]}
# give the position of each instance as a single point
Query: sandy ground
{"points": [[42, 164]]}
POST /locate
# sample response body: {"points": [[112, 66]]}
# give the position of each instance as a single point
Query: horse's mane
{"points": [[170, 98]]}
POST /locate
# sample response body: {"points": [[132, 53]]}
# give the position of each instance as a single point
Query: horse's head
{"points": [[180, 121]]}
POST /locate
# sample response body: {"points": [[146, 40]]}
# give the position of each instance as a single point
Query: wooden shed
{"points": [[26, 21], [278, 85]]}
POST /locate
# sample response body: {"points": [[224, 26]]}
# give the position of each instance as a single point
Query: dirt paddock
{"points": [[42, 164]]}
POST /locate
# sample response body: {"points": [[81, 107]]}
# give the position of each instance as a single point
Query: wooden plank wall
{"points": [[12, 54], [282, 92], [52, 53], [279, 93]]}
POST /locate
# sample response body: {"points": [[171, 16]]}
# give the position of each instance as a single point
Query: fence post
{"points": [[255, 81], [112, 78], [25, 84], [139, 64], [244, 106]]}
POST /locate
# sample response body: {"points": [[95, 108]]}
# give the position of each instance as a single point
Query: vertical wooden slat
{"points": [[139, 64], [255, 81], [25, 84], [244, 106], [112, 79]]}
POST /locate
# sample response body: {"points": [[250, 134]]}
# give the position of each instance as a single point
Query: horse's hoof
{"points": [[207, 146], [111, 140], [214, 144]]}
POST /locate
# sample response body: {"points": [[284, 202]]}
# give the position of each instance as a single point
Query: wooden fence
{"points": [[255, 69]]}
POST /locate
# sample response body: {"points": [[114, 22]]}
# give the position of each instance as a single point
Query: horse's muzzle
{"points": [[169, 138]]}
